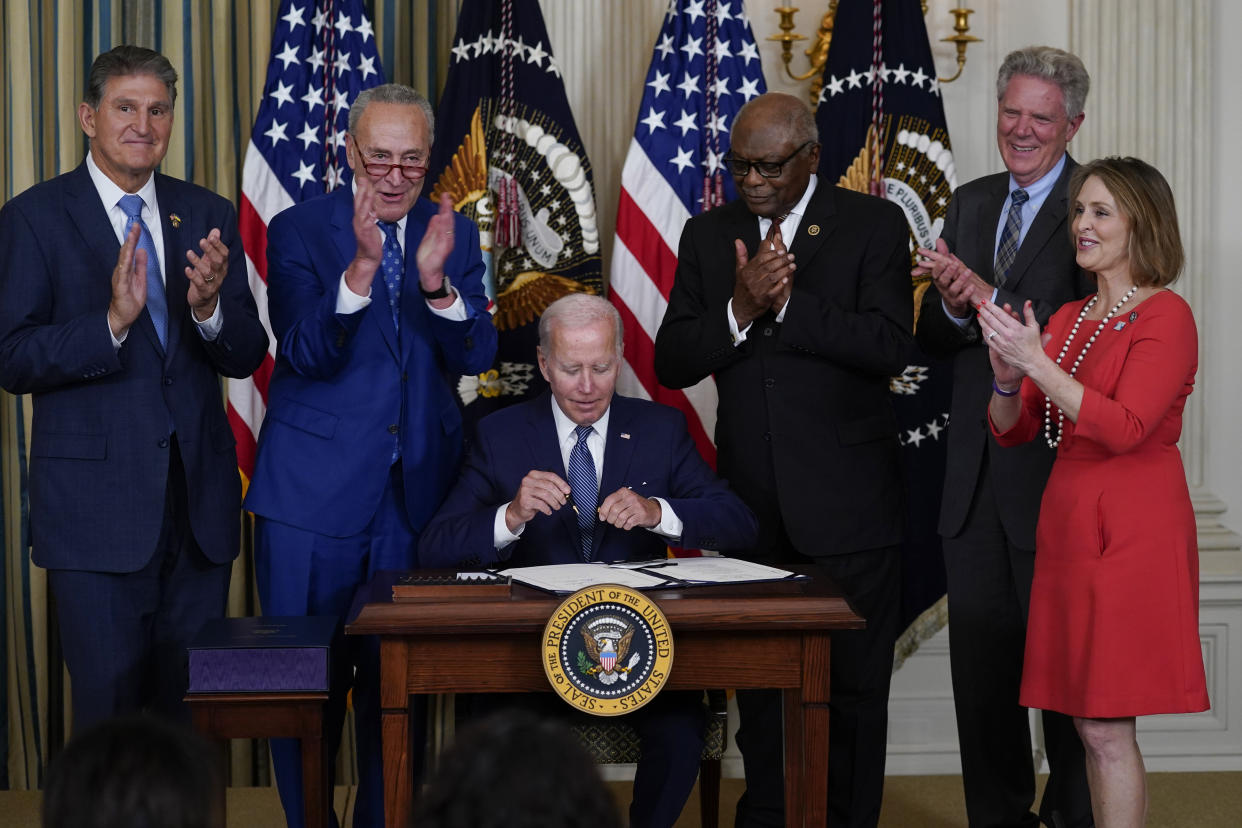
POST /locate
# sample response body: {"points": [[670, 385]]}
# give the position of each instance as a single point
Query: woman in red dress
{"points": [[1113, 630]]}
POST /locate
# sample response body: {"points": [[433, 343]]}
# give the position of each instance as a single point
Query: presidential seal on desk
{"points": [[607, 650]]}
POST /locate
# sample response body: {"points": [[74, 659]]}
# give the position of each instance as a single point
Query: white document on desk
{"points": [[716, 570], [567, 578]]}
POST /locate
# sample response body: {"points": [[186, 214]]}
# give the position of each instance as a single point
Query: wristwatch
{"points": [[446, 288]]}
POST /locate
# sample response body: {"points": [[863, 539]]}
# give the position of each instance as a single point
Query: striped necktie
{"points": [[583, 488], [1007, 250]]}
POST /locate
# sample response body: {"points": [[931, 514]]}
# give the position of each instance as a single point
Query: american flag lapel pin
{"points": [[625, 435]]}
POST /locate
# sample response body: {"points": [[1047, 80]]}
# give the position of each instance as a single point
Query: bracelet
{"points": [[1002, 391]]}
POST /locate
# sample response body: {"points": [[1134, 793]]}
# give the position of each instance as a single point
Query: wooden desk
{"points": [[769, 635]]}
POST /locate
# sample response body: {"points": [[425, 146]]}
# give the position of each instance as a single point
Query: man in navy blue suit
{"points": [[123, 298], [584, 474], [377, 303]]}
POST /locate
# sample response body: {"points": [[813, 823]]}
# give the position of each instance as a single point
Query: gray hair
{"points": [[578, 310], [1054, 65], [129, 60], [391, 93], [788, 110]]}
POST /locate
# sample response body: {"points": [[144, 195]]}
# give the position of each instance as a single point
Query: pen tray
{"points": [[418, 587]]}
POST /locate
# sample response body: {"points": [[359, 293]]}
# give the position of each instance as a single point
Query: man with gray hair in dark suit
{"points": [[1004, 241]]}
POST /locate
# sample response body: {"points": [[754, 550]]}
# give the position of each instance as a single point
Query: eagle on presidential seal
{"points": [[606, 650]]}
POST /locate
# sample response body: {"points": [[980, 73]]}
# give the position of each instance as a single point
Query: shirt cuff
{"points": [[960, 321], [670, 526], [347, 301], [501, 536], [780, 317], [455, 312], [209, 329], [117, 341], [738, 335]]}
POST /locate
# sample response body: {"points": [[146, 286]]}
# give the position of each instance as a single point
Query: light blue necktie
{"points": [[392, 266], [157, 302], [583, 488], [1007, 250]]}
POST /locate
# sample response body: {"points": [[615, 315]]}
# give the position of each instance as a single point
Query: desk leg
{"points": [[395, 732], [316, 791], [806, 737]]}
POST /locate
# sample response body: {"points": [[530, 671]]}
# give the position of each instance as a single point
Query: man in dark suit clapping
{"points": [[123, 298], [796, 297], [1004, 241]]}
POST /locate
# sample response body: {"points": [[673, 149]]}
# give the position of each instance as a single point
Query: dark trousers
{"points": [[862, 668], [124, 635], [303, 573], [989, 587]]}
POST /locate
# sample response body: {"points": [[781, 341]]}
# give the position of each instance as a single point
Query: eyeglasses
{"points": [[379, 169], [740, 167]]}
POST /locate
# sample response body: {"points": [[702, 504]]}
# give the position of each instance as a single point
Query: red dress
{"points": [[1114, 618]]}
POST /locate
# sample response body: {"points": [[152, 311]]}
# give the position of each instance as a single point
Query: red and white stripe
{"points": [[262, 197], [650, 217]]}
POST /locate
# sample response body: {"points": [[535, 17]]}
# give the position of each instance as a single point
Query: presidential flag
{"points": [[508, 152], [323, 55], [704, 67], [881, 121]]}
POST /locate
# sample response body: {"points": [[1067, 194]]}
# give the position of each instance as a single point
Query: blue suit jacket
{"points": [[343, 385], [99, 445], [647, 448]]}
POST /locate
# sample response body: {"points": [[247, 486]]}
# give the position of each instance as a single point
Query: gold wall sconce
{"points": [[817, 54]]}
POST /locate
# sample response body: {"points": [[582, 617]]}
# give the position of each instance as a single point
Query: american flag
{"points": [[704, 67], [323, 55]]}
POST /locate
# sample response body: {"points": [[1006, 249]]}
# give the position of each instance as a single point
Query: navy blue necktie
{"points": [[582, 487], [157, 302], [393, 267], [1007, 250]]}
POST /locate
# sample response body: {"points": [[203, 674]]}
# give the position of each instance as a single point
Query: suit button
{"points": [[767, 436], [392, 429], [769, 383], [405, 377], [163, 443], [168, 380], [767, 331], [469, 342]]}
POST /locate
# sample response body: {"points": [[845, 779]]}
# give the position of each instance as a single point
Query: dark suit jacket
{"points": [[1045, 272], [805, 402], [344, 385], [99, 444], [647, 448]]}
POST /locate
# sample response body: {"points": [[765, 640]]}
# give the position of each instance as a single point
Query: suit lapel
{"points": [[1048, 221], [346, 244], [618, 452], [88, 213], [817, 224], [987, 218], [176, 285]]}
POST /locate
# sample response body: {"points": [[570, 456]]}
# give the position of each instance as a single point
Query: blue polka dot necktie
{"points": [[583, 488], [393, 266], [1007, 250], [157, 302]]}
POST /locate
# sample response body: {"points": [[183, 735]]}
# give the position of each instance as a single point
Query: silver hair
{"points": [[578, 310], [1054, 65], [391, 93], [796, 116], [129, 60]]}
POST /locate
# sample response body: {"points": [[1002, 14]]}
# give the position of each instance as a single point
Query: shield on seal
{"points": [[608, 656]]}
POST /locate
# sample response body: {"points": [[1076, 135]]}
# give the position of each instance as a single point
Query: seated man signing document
{"points": [[588, 475]]}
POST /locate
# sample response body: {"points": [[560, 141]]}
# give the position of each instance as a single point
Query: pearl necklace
{"points": [[1053, 442]]}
